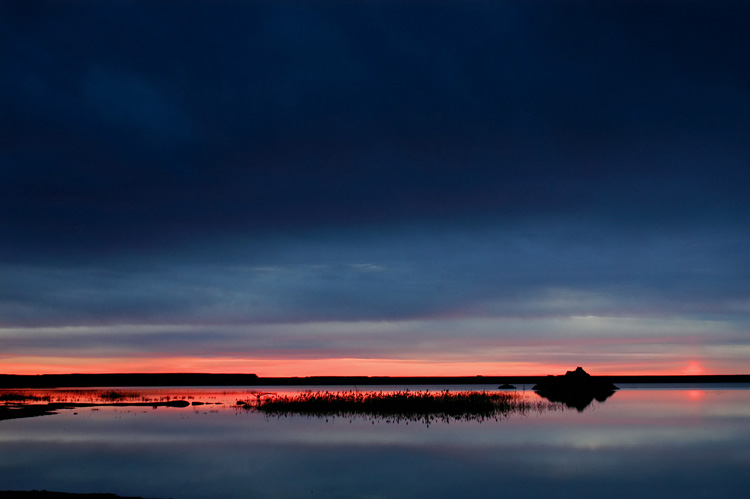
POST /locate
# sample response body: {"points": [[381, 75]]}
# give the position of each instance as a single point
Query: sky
{"points": [[375, 187]]}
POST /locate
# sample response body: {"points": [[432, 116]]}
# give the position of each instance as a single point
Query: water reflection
{"points": [[579, 400], [390, 405], [641, 443], [17, 404]]}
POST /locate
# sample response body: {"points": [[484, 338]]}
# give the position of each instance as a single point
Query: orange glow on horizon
{"points": [[272, 367], [325, 367], [694, 368]]}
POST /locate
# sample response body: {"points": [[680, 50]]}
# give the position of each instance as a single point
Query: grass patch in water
{"points": [[23, 397], [113, 395], [400, 406]]}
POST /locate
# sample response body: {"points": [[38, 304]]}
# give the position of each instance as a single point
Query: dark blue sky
{"points": [[427, 181]]}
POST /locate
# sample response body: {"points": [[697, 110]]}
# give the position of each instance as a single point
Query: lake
{"points": [[644, 441]]}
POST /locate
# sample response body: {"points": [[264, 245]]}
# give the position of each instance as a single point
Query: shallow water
{"points": [[641, 442]]}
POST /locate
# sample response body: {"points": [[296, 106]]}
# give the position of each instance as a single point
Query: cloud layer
{"points": [[235, 178]]}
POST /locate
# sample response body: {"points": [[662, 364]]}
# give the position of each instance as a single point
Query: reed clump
{"points": [[400, 406], [113, 395], [23, 397]]}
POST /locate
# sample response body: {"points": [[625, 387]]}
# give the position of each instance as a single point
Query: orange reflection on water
{"points": [[202, 396], [695, 395]]}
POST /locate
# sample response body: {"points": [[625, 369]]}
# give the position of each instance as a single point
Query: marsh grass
{"points": [[23, 397], [69, 396], [114, 395], [398, 406]]}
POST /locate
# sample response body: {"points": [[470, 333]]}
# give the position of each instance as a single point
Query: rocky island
{"points": [[576, 389]]}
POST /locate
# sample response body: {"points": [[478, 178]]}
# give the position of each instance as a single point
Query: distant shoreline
{"points": [[201, 379]]}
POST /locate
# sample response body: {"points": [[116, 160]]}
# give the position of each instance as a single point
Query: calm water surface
{"points": [[641, 442]]}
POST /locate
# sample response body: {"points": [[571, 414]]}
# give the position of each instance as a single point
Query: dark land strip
{"points": [[200, 379], [43, 494], [17, 411]]}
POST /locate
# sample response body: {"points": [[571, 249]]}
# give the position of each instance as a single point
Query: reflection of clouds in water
{"points": [[640, 443]]}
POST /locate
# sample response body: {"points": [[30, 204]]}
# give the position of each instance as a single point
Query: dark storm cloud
{"points": [[136, 124]]}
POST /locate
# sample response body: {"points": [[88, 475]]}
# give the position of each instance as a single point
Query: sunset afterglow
{"points": [[338, 367]]}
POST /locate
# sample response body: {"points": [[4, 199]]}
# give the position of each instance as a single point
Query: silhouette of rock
{"points": [[576, 389], [506, 386]]}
